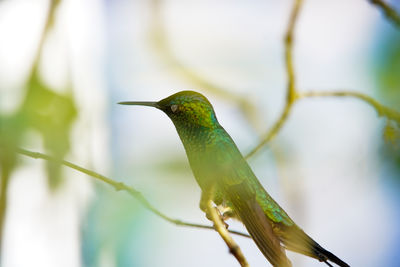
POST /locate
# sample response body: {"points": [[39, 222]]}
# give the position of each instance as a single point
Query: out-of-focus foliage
{"points": [[43, 110], [52, 115], [392, 135], [388, 73], [11, 128], [49, 113], [389, 70]]}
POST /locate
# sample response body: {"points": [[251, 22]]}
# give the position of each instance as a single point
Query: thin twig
{"points": [[382, 110], [119, 186], [54, 4], [219, 226], [390, 13], [272, 132], [291, 95], [289, 36]]}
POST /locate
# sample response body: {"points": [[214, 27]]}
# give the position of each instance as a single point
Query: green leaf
{"points": [[52, 115]]}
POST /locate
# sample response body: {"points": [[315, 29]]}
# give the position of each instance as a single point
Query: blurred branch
{"points": [[48, 25], [391, 136], [160, 42], [291, 90], [219, 226], [382, 110], [119, 186], [390, 13], [291, 95]]}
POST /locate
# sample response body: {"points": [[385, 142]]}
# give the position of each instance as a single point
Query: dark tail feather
{"points": [[298, 241], [326, 256]]}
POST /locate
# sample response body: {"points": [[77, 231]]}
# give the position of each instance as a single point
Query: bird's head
{"points": [[185, 108]]}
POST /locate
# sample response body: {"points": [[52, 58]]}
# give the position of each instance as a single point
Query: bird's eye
{"points": [[174, 108]]}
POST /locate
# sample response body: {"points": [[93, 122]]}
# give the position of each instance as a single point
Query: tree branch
{"points": [[219, 226], [273, 131], [382, 110], [289, 36], [291, 95], [47, 27], [119, 186], [389, 11]]}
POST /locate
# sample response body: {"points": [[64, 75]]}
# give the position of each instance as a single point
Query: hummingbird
{"points": [[225, 177]]}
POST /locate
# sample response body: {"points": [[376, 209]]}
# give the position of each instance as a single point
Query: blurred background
{"points": [[64, 64]]}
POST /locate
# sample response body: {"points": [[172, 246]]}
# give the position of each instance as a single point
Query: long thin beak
{"points": [[141, 103]]}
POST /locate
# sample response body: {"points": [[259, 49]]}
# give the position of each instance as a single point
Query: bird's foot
{"points": [[221, 216], [228, 214]]}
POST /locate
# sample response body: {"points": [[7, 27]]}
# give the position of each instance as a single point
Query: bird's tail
{"points": [[298, 241]]}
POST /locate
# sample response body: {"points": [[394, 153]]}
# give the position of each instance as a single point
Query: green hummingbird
{"points": [[224, 176]]}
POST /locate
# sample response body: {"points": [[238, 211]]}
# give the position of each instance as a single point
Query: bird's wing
{"points": [[257, 224], [231, 174], [267, 223]]}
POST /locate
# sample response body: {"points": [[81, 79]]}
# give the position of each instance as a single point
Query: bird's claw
{"points": [[221, 216]]}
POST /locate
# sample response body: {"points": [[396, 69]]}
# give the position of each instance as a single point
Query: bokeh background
{"points": [[334, 166]]}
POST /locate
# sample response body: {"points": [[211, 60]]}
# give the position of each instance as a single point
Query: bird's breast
{"points": [[202, 146]]}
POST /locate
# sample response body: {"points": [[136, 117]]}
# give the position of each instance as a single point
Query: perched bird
{"points": [[224, 176]]}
